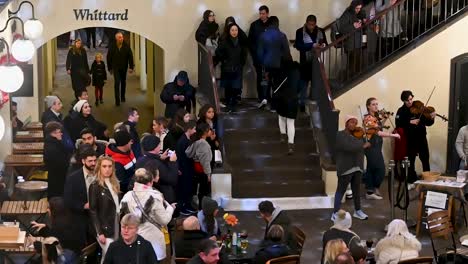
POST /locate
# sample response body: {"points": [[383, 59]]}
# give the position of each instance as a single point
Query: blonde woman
{"points": [[149, 205], [99, 73], [334, 248], [104, 203], [399, 244], [77, 66]]}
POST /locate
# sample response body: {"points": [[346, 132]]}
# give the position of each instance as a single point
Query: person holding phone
{"points": [[165, 162]]}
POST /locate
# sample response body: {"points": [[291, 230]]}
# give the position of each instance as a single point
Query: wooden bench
{"points": [[33, 126], [29, 136], [28, 148], [24, 164], [17, 208]]}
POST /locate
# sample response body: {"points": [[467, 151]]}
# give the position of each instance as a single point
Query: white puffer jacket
{"points": [[160, 211], [392, 250]]}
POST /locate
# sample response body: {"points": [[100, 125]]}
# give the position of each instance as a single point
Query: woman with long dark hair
{"points": [[104, 203], [62, 227], [208, 115], [82, 118], [207, 217], [176, 129], [78, 67]]}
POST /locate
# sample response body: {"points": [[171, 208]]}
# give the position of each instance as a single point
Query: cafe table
{"points": [[33, 126], [29, 136], [28, 148], [24, 164], [24, 211], [236, 256]]}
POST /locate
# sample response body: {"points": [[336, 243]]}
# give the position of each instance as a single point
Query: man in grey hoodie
{"points": [[349, 166], [200, 152]]}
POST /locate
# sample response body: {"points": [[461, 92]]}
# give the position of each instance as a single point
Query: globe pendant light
{"points": [[22, 50], [12, 78], [33, 29]]}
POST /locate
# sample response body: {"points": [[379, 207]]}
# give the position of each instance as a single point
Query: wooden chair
{"points": [[181, 260], [440, 225], [420, 260], [292, 259], [300, 238], [88, 251]]}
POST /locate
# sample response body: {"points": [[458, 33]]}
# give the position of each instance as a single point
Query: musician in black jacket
{"points": [[76, 191], [414, 127], [104, 203], [119, 60]]}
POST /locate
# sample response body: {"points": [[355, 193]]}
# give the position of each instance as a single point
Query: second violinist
{"points": [[375, 171]]}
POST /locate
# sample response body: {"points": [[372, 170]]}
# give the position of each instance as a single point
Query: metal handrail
{"points": [[214, 84]]}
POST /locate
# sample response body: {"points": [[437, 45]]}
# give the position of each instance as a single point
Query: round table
{"points": [[31, 190]]}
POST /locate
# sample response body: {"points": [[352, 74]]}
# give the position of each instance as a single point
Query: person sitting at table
{"points": [[275, 216], [345, 258], [341, 229], [56, 159], [359, 253], [207, 217], [54, 106], [334, 248], [16, 123], [186, 245], [62, 227], [273, 247], [130, 247], [399, 244], [461, 145], [209, 253]]}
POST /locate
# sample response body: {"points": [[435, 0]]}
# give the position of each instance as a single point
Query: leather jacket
{"points": [[102, 210]]}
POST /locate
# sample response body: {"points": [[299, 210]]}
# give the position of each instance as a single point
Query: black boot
{"points": [[290, 149], [283, 138]]}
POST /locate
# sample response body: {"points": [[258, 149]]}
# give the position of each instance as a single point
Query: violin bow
{"points": [[427, 102], [363, 125]]}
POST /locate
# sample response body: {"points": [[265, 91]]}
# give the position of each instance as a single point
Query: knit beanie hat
{"points": [[77, 107], [122, 137], [50, 100], [349, 117], [149, 142], [343, 220], [209, 205]]}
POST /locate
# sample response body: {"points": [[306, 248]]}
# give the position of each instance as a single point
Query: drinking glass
{"points": [[244, 244]]}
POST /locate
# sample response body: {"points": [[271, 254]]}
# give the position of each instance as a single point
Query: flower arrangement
{"points": [[230, 219]]}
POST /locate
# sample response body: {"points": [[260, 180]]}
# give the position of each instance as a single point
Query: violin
{"points": [[418, 108], [371, 127]]}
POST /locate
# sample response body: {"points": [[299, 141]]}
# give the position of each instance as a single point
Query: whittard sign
{"points": [[86, 14]]}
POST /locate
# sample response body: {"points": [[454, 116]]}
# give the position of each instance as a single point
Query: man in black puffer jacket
{"points": [[178, 94]]}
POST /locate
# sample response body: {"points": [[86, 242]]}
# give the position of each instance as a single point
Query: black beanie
{"points": [[122, 137], [149, 142]]}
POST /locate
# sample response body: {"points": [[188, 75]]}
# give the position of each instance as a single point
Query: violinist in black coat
{"points": [[56, 159]]}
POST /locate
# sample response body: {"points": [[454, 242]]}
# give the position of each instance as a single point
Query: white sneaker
{"points": [[411, 186], [263, 103], [377, 191], [373, 196], [359, 214]]}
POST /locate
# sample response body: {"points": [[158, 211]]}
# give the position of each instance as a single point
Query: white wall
{"points": [[420, 70]]}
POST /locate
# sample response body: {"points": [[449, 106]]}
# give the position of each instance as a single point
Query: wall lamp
{"points": [[33, 27], [22, 48], [11, 75]]}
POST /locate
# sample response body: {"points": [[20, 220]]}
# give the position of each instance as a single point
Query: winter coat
{"points": [[124, 165], [102, 209], [49, 116], [75, 122], [349, 152], [285, 99], [200, 151], [156, 208], [168, 174], [281, 218], [99, 73], [77, 64], [138, 252], [306, 50], [120, 59], [171, 89], [66, 233], [56, 160], [206, 30], [232, 55], [392, 250], [185, 164], [256, 30], [171, 138], [273, 48], [271, 250], [346, 25], [136, 146]]}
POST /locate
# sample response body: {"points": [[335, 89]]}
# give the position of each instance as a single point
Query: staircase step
{"points": [[262, 121], [263, 134], [247, 148], [259, 161], [279, 173], [291, 188]]}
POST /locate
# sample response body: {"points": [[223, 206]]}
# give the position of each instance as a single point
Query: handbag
{"points": [[163, 229]]}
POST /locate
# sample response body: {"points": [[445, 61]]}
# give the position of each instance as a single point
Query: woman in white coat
{"points": [[399, 244], [149, 204]]}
